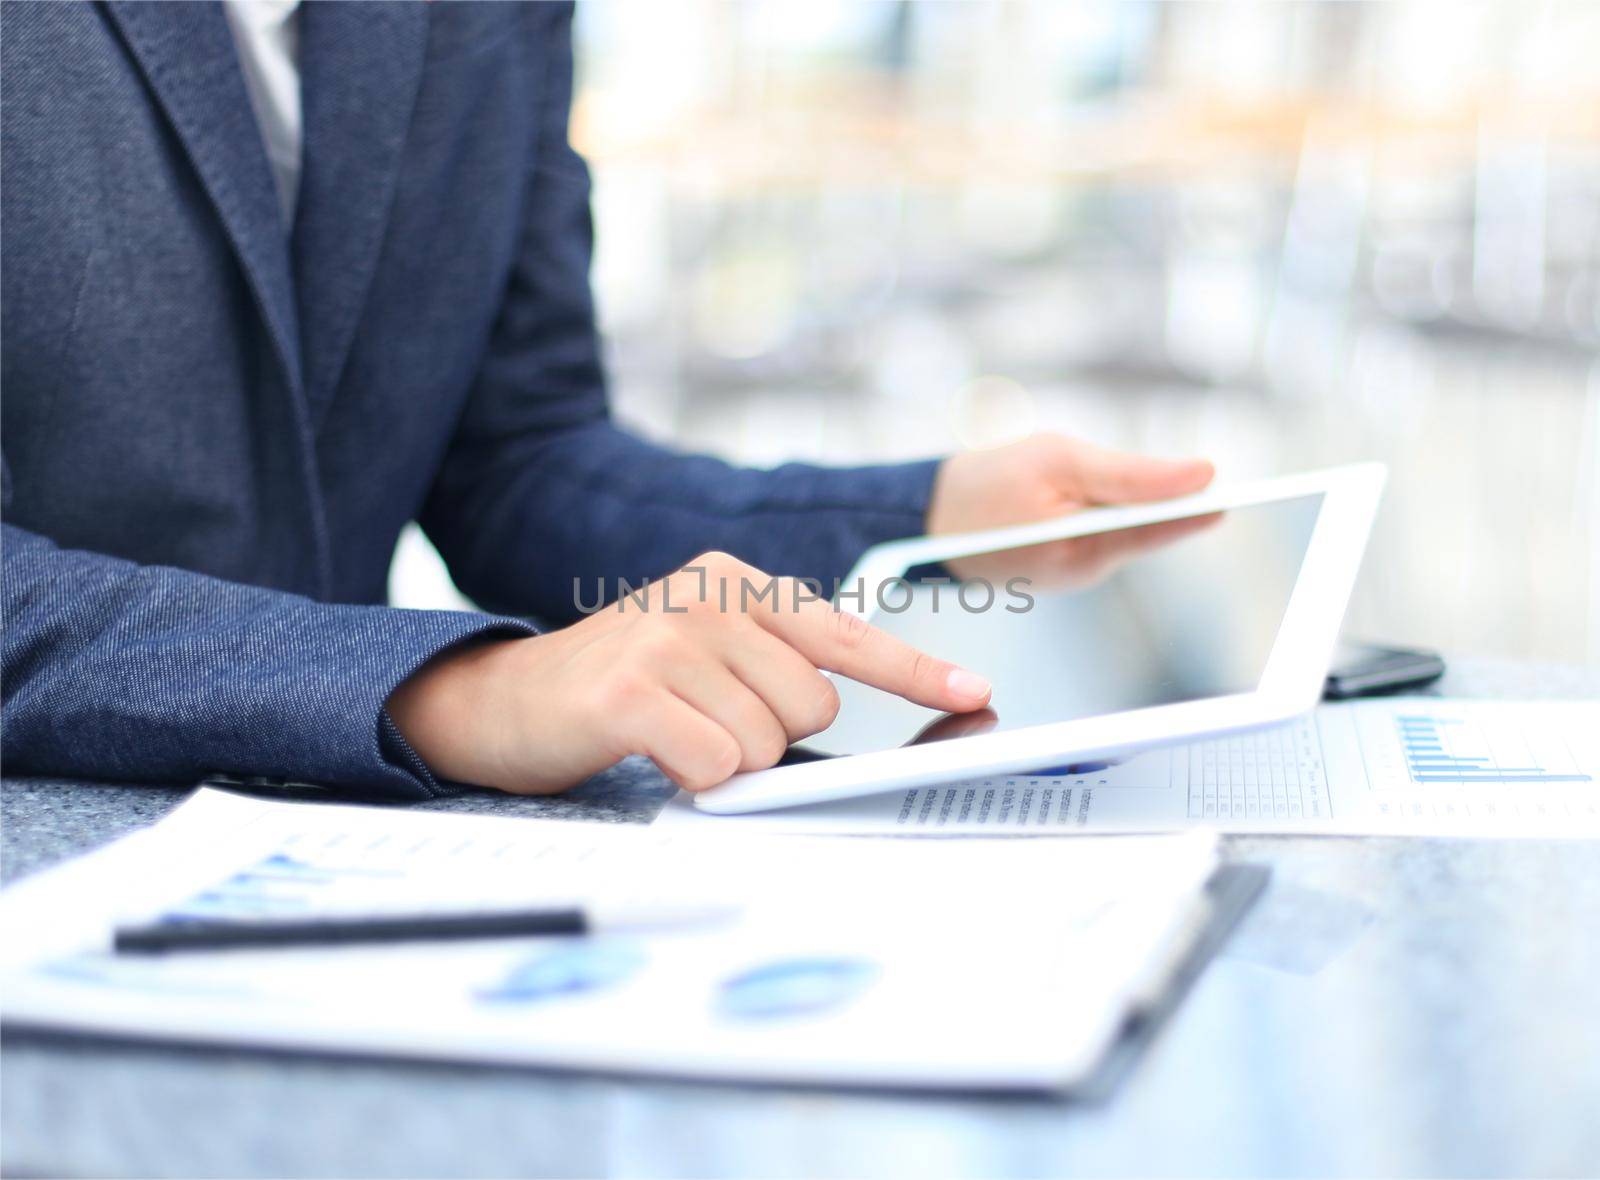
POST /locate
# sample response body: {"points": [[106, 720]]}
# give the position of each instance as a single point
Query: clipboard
{"points": [[1230, 894]]}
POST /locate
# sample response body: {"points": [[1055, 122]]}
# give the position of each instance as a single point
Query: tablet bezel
{"points": [[1291, 682]]}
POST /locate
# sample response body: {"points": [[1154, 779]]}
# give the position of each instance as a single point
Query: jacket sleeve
{"points": [[127, 672], [539, 488]]}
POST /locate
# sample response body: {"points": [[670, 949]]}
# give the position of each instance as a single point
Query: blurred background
{"points": [[1279, 235]]}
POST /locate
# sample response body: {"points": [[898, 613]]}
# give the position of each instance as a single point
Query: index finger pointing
{"points": [[839, 641]]}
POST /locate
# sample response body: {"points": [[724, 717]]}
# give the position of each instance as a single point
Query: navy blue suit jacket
{"points": [[215, 425]]}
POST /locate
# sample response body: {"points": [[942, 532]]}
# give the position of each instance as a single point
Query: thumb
{"points": [[1117, 477]]}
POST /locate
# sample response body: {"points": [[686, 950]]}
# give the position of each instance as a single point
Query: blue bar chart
{"points": [[1457, 749]]}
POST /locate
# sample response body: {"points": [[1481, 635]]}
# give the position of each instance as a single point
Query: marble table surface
{"points": [[1392, 1006]]}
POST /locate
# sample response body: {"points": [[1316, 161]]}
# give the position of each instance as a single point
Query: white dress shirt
{"points": [[267, 38]]}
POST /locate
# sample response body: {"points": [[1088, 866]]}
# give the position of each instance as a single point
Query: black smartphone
{"points": [[1361, 670]]}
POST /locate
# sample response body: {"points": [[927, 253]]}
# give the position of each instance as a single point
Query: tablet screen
{"points": [[1163, 613]]}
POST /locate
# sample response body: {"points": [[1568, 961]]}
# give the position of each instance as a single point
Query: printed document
{"points": [[1397, 766], [907, 963]]}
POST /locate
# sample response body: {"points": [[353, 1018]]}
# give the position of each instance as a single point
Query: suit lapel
{"points": [[360, 69], [186, 53]]}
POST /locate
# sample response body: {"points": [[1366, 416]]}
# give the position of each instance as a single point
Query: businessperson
{"points": [[278, 280]]}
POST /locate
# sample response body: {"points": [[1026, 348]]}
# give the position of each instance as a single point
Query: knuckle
{"points": [[806, 590], [924, 668], [721, 760], [710, 584], [770, 747], [693, 598], [825, 708], [716, 563], [846, 630], [687, 594]]}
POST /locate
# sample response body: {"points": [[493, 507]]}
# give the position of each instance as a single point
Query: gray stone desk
{"points": [[1391, 1007]]}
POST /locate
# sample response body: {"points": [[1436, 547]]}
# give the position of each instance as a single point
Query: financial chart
{"points": [[1468, 762], [1413, 765], [1466, 750]]}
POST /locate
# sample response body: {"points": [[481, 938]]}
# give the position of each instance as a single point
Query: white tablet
{"points": [[1102, 632]]}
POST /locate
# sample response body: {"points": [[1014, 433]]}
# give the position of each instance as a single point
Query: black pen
{"points": [[208, 934]]}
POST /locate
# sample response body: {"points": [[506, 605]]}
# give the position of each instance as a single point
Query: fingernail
{"points": [[968, 685]]}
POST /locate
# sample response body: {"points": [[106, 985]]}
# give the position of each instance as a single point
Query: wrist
{"points": [[939, 519], [442, 709]]}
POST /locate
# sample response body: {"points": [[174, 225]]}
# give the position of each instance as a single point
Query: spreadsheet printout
{"points": [[1417, 765]]}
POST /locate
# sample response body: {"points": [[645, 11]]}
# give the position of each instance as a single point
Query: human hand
{"points": [[1050, 475], [1076, 563], [697, 673]]}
